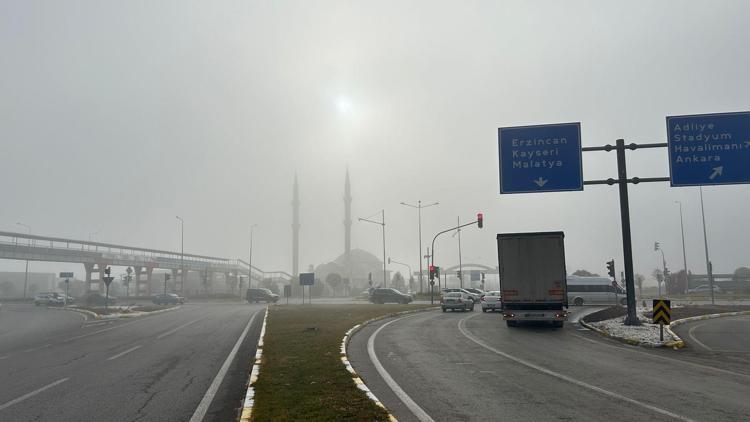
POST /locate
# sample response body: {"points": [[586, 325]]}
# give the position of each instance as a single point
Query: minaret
{"points": [[347, 218], [295, 228]]}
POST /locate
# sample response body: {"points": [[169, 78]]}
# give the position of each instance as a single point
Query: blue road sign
{"points": [[475, 275], [709, 149], [543, 158], [306, 279]]}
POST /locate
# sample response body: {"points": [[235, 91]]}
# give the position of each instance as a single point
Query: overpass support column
{"points": [[149, 273], [137, 273], [175, 280], [89, 269]]}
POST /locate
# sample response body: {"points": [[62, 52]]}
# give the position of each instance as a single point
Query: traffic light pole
{"points": [[622, 181], [432, 256]]}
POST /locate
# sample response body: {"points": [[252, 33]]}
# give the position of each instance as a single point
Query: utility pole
{"points": [[382, 224], [419, 207], [26, 274], [182, 255]]}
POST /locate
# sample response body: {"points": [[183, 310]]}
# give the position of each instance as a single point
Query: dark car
{"points": [[261, 295], [389, 296], [96, 299], [167, 299]]}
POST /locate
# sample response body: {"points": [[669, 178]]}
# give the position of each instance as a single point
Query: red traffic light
{"points": [[480, 220]]}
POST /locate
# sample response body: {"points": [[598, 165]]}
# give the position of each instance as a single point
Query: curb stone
{"points": [[678, 343], [249, 403], [96, 316], [345, 358]]}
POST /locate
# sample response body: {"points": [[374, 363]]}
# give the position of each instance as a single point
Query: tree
{"points": [[677, 283], [584, 273], [658, 275], [334, 280], [741, 273], [7, 287], [639, 279], [397, 282]]}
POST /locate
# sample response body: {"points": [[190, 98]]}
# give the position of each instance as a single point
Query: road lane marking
{"points": [[200, 411], [418, 412], [566, 378], [700, 343], [604, 342], [31, 394], [37, 348], [101, 331], [172, 331], [124, 353], [4, 357]]}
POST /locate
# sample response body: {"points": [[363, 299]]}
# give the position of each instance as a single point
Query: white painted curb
{"points": [[94, 315], [249, 403], [345, 358]]}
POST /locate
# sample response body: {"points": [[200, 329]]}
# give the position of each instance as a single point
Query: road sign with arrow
{"points": [[543, 158], [709, 149]]}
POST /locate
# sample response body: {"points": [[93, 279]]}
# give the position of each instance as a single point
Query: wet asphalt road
{"points": [[471, 366], [55, 365]]}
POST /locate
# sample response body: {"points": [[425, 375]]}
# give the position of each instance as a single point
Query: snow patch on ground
{"points": [[645, 334]]}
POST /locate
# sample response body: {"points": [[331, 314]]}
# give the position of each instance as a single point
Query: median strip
{"points": [[302, 376]]}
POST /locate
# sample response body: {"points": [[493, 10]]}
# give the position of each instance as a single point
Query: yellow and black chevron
{"points": [[662, 311]]}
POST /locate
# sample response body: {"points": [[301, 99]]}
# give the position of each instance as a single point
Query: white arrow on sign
{"points": [[540, 182], [717, 172]]}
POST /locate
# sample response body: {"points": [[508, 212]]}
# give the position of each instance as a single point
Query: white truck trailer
{"points": [[533, 277]]}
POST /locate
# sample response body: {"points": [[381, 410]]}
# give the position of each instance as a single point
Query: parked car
{"points": [[457, 300], [49, 299], [491, 301], [381, 296], [96, 299], [705, 288], [261, 295], [475, 297], [168, 299]]}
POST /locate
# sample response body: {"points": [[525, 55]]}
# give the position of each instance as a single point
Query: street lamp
{"points": [[182, 255], [419, 207], [382, 224], [684, 256], [401, 263], [26, 276]]}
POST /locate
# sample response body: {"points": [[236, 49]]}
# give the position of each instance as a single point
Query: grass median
{"points": [[301, 376]]}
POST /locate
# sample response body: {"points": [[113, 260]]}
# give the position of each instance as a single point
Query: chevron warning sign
{"points": [[662, 311]]}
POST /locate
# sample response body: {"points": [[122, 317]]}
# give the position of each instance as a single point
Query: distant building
{"points": [[11, 284]]}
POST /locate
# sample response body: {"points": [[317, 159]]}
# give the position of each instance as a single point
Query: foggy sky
{"points": [[116, 116]]}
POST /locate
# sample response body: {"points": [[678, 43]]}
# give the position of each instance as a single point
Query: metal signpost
{"points": [[287, 292], [661, 314], [67, 277], [107, 281], [307, 279], [543, 158]]}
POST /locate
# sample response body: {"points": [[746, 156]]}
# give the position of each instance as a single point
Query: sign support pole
{"points": [[627, 247]]}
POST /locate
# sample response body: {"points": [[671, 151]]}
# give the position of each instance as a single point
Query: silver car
{"points": [[491, 301], [457, 300]]}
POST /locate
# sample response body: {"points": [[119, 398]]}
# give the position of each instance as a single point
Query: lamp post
{"points": [[26, 275], [419, 207], [657, 247], [401, 263], [684, 256], [382, 224], [182, 255], [709, 267]]}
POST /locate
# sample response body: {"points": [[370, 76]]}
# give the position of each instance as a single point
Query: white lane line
{"points": [[124, 353], [567, 378], [37, 348], [617, 346], [31, 394], [200, 411], [101, 331], [174, 330], [700, 343], [4, 357], [400, 393]]}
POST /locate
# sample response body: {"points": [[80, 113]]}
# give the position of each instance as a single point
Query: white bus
{"points": [[594, 291]]}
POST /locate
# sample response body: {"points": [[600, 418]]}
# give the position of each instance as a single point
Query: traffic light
{"points": [[611, 268], [166, 276], [458, 274], [480, 220], [666, 273], [656, 246], [432, 272], [437, 272], [107, 271]]}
